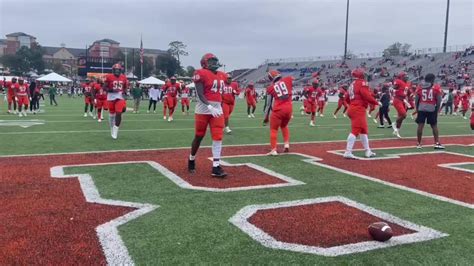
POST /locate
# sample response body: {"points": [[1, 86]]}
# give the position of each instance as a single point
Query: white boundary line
{"points": [[240, 219], [453, 166], [232, 145]]}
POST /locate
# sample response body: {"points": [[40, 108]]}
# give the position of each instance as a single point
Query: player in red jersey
{"points": [[457, 101], [171, 90], [311, 100], [427, 103], [88, 102], [359, 97], [400, 101], [342, 95], [251, 97], [465, 97], [184, 95], [472, 110], [322, 98], [411, 99], [231, 89], [209, 85], [375, 94], [280, 105], [100, 99], [11, 88], [116, 85], [22, 97], [304, 109]]}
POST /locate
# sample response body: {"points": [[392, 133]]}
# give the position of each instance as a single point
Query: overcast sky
{"points": [[242, 33]]}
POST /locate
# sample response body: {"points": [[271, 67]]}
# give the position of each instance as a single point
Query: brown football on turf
{"points": [[380, 231]]}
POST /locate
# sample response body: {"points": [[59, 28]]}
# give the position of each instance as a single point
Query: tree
{"points": [[167, 64], [190, 71], [176, 49], [397, 49], [25, 59]]}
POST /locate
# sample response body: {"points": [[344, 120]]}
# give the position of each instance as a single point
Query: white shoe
{"points": [[170, 119], [349, 155], [396, 133], [154, 112], [369, 154], [311, 124], [115, 132], [15, 112], [321, 115], [134, 112], [99, 120], [148, 111], [253, 116], [412, 117], [272, 153], [20, 114], [369, 115], [227, 130], [250, 116], [303, 113], [94, 117], [24, 113], [286, 148], [85, 114], [344, 115], [9, 111], [90, 114], [375, 121], [465, 117], [335, 116], [164, 117]]}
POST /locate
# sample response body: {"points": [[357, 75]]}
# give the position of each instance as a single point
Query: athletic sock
{"points": [[273, 138], [216, 153], [286, 134], [350, 142], [364, 138], [192, 158]]}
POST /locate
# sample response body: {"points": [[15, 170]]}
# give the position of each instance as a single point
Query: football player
{"points": [[11, 88], [251, 97], [165, 102], [342, 93], [311, 100], [322, 97], [116, 85], [231, 89], [400, 102], [359, 97], [100, 99], [184, 95], [22, 97], [171, 89], [209, 84], [87, 92], [465, 97], [279, 109]]}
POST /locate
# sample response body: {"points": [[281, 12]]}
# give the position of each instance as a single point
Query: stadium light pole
{"points": [[347, 28], [446, 28]]}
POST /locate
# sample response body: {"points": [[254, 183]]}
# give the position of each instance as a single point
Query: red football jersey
{"points": [[184, 92], [87, 88], [401, 88], [213, 83], [250, 93], [172, 89], [22, 90], [342, 93], [282, 92], [429, 95], [99, 92], [360, 95], [12, 87], [321, 95], [229, 92], [118, 84], [465, 99]]}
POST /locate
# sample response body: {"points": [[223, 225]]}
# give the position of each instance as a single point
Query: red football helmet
{"points": [[273, 75], [250, 84], [210, 61], [402, 75], [358, 73]]}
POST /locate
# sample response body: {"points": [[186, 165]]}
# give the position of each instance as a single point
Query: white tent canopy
{"points": [[152, 81], [191, 85], [54, 77]]}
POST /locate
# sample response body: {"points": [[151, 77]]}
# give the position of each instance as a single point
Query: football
{"points": [[380, 231]]}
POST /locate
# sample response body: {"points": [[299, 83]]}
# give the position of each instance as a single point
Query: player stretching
{"points": [[359, 99], [171, 89], [209, 85], [311, 101], [342, 94], [322, 99], [427, 103], [251, 97], [87, 92], [100, 99], [11, 88], [116, 85], [231, 89], [22, 96], [400, 102], [280, 106], [465, 102], [184, 95]]}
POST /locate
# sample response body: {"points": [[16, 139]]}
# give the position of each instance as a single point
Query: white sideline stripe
{"points": [[207, 146], [112, 244], [454, 166], [240, 219]]}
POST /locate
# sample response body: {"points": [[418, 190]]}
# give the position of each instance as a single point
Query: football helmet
{"points": [[358, 73], [210, 61], [273, 75]]}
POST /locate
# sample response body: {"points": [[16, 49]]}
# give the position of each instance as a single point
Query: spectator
{"points": [[154, 94], [52, 94], [137, 97]]}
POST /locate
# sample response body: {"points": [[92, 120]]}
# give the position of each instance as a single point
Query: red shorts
{"points": [[412, 103], [216, 125], [400, 107], [280, 118], [165, 102], [23, 100], [185, 101], [10, 98], [87, 100], [311, 107], [101, 103], [472, 120], [358, 120], [117, 106], [465, 107], [341, 102], [251, 102], [171, 102], [321, 104], [227, 109]]}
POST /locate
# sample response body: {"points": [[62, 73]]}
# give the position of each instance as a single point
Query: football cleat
{"points": [[418, 146], [369, 115], [380, 126], [349, 155], [115, 132], [20, 114], [249, 116], [286, 148], [335, 116], [369, 154], [164, 117], [170, 119], [99, 120], [311, 124], [191, 166], [227, 130], [438, 146], [85, 114], [218, 172], [321, 115], [273, 153], [375, 121], [344, 115], [396, 134]]}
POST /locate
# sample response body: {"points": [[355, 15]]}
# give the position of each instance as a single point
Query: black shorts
{"points": [[427, 117]]}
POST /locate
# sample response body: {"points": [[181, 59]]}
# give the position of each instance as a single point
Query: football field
{"points": [[70, 194]]}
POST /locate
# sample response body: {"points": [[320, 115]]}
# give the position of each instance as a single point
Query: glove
{"points": [[215, 112], [29, 99], [16, 99], [95, 101]]}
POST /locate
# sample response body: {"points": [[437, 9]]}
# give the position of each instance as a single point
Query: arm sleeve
{"points": [[268, 105]]}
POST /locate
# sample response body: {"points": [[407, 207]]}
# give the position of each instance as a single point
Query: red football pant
{"points": [[216, 125], [23, 100], [279, 119], [165, 106], [371, 108], [99, 105], [171, 104], [358, 120], [400, 107], [341, 103], [321, 105], [227, 109], [117, 106], [87, 100], [251, 103]]}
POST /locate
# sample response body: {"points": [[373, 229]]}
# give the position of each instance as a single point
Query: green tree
{"points": [[167, 64], [190, 71], [397, 49], [25, 59], [177, 49]]}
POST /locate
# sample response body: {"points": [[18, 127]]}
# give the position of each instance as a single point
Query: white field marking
{"points": [[208, 146], [22, 123], [397, 155], [318, 162], [455, 166], [240, 219], [115, 251]]}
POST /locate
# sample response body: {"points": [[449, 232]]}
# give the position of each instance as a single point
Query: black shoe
{"points": [[218, 172], [380, 126], [191, 166], [438, 146], [389, 126]]}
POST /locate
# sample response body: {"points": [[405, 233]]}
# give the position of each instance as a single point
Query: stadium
{"points": [[116, 154]]}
